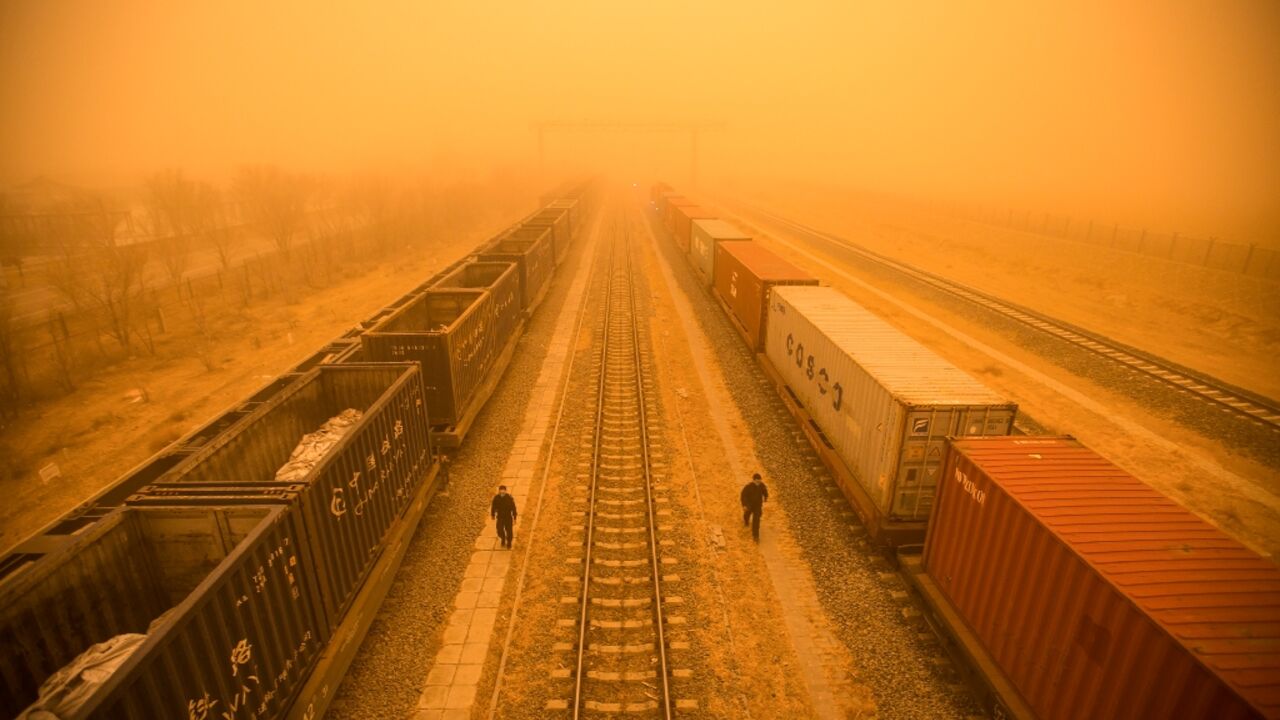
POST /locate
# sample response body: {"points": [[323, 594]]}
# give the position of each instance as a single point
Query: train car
{"points": [[450, 333], [357, 490], [1095, 595], [557, 220], [502, 281], [682, 220], [669, 211], [703, 238], [571, 206], [744, 274], [533, 252], [207, 607], [883, 402], [656, 190]]}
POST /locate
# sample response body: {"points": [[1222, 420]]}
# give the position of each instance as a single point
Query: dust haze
{"points": [[1162, 115]]}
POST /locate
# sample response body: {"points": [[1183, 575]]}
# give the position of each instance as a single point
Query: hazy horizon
{"points": [[1157, 114]]}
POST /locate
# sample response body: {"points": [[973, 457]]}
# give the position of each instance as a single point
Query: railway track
{"points": [[621, 651], [1225, 397]]}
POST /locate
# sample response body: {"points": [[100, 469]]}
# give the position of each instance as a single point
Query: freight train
{"points": [[234, 573], [1067, 586]]}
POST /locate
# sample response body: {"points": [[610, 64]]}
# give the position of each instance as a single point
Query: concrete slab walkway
{"points": [[450, 685]]}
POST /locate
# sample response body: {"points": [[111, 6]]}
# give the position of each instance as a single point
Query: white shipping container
{"points": [[702, 244], [885, 402]]}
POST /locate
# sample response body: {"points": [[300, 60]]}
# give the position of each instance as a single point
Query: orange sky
{"points": [[1164, 113]]}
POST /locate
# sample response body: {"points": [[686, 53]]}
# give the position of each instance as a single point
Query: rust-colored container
{"points": [[684, 216], [744, 272], [1097, 596]]}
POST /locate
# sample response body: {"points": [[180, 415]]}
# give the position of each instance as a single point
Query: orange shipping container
{"points": [[1097, 596], [744, 272], [684, 216]]}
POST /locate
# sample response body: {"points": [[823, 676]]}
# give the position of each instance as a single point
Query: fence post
{"points": [[1248, 257], [1172, 244], [1142, 242], [1207, 252]]}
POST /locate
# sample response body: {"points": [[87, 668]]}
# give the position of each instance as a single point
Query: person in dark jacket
{"points": [[503, 509], [754, 496]]}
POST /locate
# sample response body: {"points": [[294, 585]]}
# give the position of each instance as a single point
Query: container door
{"points": [[923, 450]]}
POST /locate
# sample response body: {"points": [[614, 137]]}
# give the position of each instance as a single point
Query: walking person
{"points": [[503, 509], [754, 495]]}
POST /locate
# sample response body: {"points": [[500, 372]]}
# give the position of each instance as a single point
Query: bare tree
{"points": [[10, 391], [170, 202], [211, 222], [111, 274], [274, 201]]}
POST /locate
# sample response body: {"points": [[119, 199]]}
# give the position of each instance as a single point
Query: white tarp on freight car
{"points": [[885, 402], [314, 445]]}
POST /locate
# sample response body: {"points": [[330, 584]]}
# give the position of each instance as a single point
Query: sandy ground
{"points": [[1226, 325], [101, 430]]}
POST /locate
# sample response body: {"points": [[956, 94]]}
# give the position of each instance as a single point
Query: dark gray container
{"points": [[451, 334], [502, 280], [533, 252], [242, 635], [359, 489], [557, 219]]}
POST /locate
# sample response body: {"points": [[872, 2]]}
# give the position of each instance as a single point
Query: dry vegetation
{"points": [[136, 360]]}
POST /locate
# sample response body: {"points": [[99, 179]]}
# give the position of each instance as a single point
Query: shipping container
{"points": [[502, 280], [683, 220], [533, 253], [702, 245], [1097, 596], [450, 332], [558, 221], [570, 206], [744, 272], [884, 402], [222, 595], [656, 191], [669, 215], [664, 201], [113, 496], [357, 491]]}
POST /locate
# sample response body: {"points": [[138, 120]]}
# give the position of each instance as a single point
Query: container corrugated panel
{"points": [[743, 274], [534, 254], [360, 488], [885, 402], [450, 332], [702, 244], [222, 594], [684, 217], [502, 280], [1098, 596], [558, 222], [571, 206], [669, 216]]}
